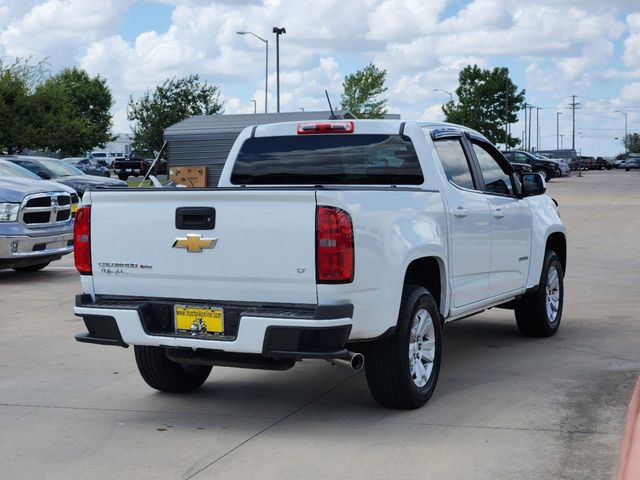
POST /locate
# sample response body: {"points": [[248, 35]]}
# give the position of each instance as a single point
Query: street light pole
{"points": [[445, 91], [254, 105], [278, 32], [266, 64], [558, 130], [538, 128], [626, 139]]}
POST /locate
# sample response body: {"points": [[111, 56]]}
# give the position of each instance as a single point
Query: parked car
{"points": [[11, 170], [62, 172], [600, 163], [91, 166], [104, 158], [546, 167], [565, 169], [521, 168], [633, 161], [36, 220], [134, 166], [339, 240]]}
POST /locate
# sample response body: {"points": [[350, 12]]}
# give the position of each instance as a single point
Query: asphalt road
{"points": [[506, 407]]}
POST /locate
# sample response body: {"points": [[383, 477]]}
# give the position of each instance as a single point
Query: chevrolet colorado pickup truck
{"points": [[36, 219], [337, 240]]}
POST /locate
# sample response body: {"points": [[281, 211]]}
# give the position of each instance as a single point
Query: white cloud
{"points": [[60, 29]]}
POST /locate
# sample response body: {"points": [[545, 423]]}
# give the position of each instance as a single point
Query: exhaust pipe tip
{"points": [[357, 361], [353, 360]]}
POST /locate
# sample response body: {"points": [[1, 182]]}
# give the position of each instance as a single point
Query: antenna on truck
{"points": [[153, 165], [333, 115]]}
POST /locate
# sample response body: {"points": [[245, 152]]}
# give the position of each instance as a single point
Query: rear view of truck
{"points": [[289, 259]]}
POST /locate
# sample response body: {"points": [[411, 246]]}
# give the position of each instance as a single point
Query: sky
{"points": [[553, 48]]}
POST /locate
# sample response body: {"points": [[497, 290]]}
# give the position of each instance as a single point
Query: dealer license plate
{"points": [[199, 320], [128, 170]]}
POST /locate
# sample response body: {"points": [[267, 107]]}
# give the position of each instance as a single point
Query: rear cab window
{"points": [[341, 159]]}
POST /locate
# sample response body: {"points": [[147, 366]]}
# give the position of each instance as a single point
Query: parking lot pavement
{"points": [[506, 407]]}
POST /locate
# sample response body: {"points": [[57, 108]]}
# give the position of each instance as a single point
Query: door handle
{"points": [[498, 213], [460, 212]]}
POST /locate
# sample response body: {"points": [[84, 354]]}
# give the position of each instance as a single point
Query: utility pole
{"points": [[538, 128], [626, 135], [561, 141], [573, 106], [558, 130]]}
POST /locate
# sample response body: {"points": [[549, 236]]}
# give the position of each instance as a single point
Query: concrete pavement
{"points": [[506, 407]]}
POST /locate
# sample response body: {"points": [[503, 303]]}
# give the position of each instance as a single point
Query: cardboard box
{"points": [[194, 176]]}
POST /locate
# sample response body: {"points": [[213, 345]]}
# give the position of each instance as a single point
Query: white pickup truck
{"points": [[339, 240]]}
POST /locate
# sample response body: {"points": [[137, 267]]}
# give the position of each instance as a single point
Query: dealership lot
{"points": [[505, 406]]}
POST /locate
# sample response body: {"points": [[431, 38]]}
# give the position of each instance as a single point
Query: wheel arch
{"points": [[429, 272], [558, 243]]}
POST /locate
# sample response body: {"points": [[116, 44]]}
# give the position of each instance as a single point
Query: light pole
{"points": [[445, 91], [561, 140], [625, 129], [558, 130], [278, 31], [266, 64], [538, 128], [254, 105]]}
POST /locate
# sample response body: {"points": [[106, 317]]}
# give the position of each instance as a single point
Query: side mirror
{"points": [[532, 184], [44, 175]]}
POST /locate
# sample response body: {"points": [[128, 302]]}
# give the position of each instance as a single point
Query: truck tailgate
{"points": [[263, 249]]}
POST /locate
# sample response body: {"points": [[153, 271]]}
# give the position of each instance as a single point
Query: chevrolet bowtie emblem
{"points": [[194, 242]]}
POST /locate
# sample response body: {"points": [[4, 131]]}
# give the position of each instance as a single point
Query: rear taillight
{"points": [[82, 240], [334, 246], [309, 128]]}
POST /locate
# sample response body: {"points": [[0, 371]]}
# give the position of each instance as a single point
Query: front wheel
{"points": [[162, 374], [543, 173], [402, 369], [538, 313]]}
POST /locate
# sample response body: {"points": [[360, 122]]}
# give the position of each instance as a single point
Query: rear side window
{"points": [[327, 159], [454, 161]]}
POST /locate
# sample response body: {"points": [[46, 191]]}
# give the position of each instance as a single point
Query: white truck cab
{"points": [[351, 241]]}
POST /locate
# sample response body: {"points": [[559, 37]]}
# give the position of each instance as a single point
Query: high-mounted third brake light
{"points": [[334, 246], [82, 240], [310, 128]]}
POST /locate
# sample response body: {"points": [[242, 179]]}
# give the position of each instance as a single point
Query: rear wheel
{"points": [[402, 369], [538, 313], [123, 177], [162, 374], [32, 268]]}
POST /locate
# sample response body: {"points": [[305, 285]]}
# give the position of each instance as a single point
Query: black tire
{"points": [[123, 177], [626, 169], [532, 315], [107, 174], [32, 268], [162, 374], [387, 365]]}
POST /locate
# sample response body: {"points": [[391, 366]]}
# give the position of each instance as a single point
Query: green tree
{"points": [[362, 92], [632, 143], [17, 118], [486, 98], [171, 102], [73, 110]]}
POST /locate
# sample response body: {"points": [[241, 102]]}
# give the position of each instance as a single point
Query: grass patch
{"points": [[132, 182]]}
